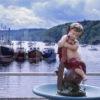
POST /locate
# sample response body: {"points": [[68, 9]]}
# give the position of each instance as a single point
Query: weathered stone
{"points": [[71, 85]]}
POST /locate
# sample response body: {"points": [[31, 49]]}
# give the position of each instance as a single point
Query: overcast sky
{"points": [[46, 13]]}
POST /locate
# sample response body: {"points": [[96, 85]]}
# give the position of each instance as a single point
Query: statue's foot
{"points": [[84, 80]]}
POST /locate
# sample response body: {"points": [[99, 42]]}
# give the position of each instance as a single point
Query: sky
{"points": [[18, 14]]}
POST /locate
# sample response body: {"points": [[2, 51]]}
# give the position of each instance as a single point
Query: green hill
{"points": [[91, 32]]}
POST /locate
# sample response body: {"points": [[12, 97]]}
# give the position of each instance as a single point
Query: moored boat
{"points": [[34, 55], [20, 55], [6, 55], [49, 55]]}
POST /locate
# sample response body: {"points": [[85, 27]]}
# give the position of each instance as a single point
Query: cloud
{"points": [[47, 13], [19, 17], [67, 10], [59, 10], [92, 9]]}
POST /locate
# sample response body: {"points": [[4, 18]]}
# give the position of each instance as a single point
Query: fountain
{"points": [[50, 91], [68, 86]]}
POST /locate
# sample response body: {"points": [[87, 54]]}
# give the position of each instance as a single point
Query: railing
{"points": [[40, 73]]}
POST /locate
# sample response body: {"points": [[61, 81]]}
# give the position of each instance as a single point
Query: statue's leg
{"points": [[72, 84], [83, 65], [60, 76], [78, 66]]}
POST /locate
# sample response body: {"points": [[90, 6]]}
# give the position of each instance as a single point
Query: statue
{"points": [[69, 83]]}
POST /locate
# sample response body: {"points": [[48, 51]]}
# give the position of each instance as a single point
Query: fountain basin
{"points": [[49, 91]]}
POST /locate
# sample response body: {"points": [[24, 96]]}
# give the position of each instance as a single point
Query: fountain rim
{"points": [[36, 91]]}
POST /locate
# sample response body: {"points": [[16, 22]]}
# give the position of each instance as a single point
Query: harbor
{"points": [[49, 50], [19, 78]]}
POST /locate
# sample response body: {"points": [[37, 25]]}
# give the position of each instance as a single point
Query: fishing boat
{"points": [[6, 55], [49, 55], [93, 48], [34, 55], [20, 55]]}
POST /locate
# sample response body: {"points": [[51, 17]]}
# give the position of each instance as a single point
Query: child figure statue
{"points": [[69, 83]]}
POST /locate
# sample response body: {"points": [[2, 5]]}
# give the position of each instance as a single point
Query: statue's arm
{"points": [[70, 46], [62, 41]]}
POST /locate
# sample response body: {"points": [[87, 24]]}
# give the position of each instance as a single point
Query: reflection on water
{"points": [[16, 86], [28, 67]]}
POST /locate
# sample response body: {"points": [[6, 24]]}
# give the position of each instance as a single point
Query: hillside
{"points": [[91, 33], [24, 34]]}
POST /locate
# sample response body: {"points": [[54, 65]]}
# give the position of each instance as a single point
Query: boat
{"points": [[34, 55], [84, 45], [49, 55], [20, 54], [6, 55], [92, 48], [30, 44]]}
